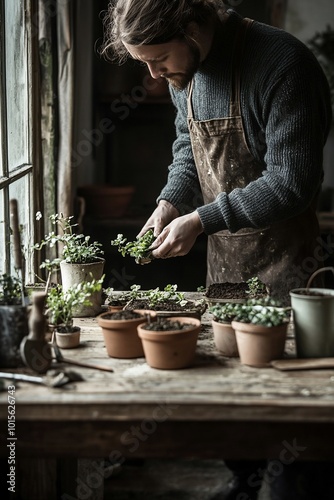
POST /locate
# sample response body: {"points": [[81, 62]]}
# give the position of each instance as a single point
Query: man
{"points": [[253, 115]]}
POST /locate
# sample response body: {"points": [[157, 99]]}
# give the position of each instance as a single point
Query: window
{"points": [[17, 167]]}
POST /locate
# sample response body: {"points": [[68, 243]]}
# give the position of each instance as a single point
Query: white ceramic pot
{"points": [[73, 274]]}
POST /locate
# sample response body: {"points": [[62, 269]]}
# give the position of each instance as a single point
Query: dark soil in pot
{"points": [[164, 325], [124, 314]]}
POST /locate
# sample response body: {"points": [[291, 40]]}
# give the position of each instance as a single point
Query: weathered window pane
{"points": [[17, 84]]}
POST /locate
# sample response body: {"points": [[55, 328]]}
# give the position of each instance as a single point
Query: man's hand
{"points": [[178, 237], [162, 215]]}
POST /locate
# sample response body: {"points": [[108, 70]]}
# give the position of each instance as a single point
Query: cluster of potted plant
{"points": [[80, 261], [167, 340], [61, 306], [168, 301], [167, 343], [255, 329]]}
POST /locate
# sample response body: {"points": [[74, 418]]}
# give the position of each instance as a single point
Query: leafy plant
{"points": [[115, 297], [76, 248], [10, 290], [140, 248], [153, 296], [266, 312], [224, 312], [255, 287], [61, 304]]}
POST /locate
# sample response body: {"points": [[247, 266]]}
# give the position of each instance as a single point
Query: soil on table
{"points": [[164, 306], [227, 291]]}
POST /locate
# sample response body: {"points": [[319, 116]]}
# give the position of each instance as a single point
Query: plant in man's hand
{"points": [[140, 248]]}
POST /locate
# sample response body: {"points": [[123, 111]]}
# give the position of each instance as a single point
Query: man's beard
{"points": [[180, 81]]}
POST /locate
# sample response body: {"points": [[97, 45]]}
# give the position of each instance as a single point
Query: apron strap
{"points": [[239, 45], [189, 100]]}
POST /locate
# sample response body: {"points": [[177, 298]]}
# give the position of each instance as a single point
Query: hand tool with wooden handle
{"points": [[60, 358], [35, 350], [303, 364]]}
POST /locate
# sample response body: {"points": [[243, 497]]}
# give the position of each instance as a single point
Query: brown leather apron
{"points": [[275, 254]]}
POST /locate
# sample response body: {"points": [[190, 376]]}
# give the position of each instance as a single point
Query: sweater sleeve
{"points": [[296, 118], [182, 189]]}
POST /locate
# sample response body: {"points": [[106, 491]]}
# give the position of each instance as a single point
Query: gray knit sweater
{"points": [[286, 112]]}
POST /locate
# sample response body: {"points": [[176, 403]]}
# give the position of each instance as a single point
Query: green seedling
{"points": [[139, 249]]}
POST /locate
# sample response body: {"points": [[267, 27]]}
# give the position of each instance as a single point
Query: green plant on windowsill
{"points": [[76, 248], [10, 290], [61, 304]]}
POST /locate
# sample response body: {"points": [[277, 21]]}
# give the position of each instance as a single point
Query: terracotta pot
{"points": [[105, 201], [258, 345], [112, 309], [68, 340], [171, 350], [121, 336], [224, 337], [73, 274]]}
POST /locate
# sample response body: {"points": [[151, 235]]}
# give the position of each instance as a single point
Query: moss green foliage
{"points": [[76, 248], [153, 297], [10, 290], [61, 304], [255, 287], [266, 312], [140, 248]]}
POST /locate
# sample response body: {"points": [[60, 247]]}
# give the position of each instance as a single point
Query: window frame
{"points": [[30, 170]]}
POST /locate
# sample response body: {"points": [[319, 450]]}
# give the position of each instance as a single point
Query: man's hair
{"points": [[147, 22]]}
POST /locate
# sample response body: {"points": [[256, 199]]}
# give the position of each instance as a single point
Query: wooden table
{"points": [[216, 409]]}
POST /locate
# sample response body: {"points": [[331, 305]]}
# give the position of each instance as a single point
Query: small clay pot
{"points": [[171, 350], [224, 337], [258, 345], [121, 336], [68, 340]]}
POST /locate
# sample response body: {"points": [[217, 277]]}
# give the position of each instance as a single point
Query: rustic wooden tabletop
{"points": [[216, 408]]}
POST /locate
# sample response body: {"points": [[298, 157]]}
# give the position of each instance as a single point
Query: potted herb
{"points": [[120, 334], [13, 321], [313, 318], [260, 327], [61, 307], [170, 343], [80, 259], [223, 333]]}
